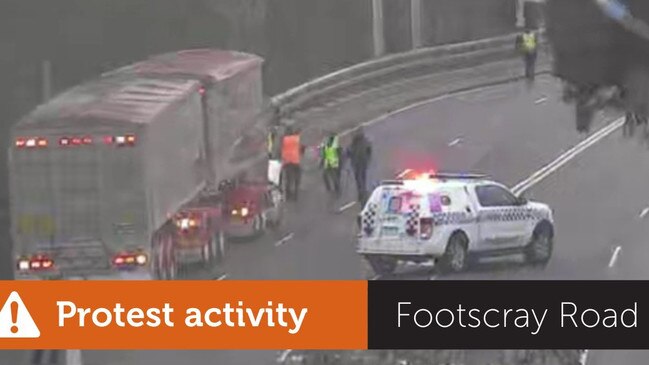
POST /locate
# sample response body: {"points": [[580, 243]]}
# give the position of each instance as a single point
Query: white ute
{"points": [[451, 219]]}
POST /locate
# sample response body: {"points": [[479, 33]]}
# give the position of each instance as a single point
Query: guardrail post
{"points": [[378, 28], [415, 23]]}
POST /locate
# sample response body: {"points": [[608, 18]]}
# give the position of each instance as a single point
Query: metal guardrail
{"points": [[396, 67]]}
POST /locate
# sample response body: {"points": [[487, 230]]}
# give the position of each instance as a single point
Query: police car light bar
{"points": [[457, 176]]}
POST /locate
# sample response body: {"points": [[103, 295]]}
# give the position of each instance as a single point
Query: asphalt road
{"points": [[506, 131]]}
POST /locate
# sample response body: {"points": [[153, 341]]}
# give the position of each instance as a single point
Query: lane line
{"points": [[346, 206], [375, 277], [584, 358], [419, 104], [644, 212], [403, 173], [284, 240], [222, 277], [434, 277], [455, 142], [284, 355], [616, 254], [541, 100], [567, 156]]}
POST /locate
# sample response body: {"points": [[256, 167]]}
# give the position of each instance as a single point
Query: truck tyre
{"points": [[539, 251], [455, 257], [583, 117], [382, 265]]}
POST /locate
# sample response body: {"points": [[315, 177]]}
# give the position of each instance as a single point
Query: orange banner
{"points": [[183, 315]]}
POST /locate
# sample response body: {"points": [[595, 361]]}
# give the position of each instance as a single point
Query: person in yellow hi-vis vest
{"points": [[528, 46], [331, 153]]}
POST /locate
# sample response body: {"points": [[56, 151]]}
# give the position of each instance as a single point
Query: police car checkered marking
{"points": [[412, 220], [452, 218], [512, 215], [369, 217]]}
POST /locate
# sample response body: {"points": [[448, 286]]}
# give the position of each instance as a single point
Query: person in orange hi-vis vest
{"points": [[292, 151]]}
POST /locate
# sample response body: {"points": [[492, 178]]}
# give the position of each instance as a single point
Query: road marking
{"points": [[222, 277], [346, 206], [403, 173], [541, 100], [284, 355], [434, 277], [616, 253], [284, 240], [455, 142], [566, 157], [644, 212], [416, 105], [375, 277], [583, 359]]}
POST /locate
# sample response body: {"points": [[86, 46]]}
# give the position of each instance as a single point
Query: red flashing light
{"points": [[76, 141], [108, 140], [20, 142], [35, 262], [201, 91], [87, 140]]}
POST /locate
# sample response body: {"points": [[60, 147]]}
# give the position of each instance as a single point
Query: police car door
{"points": [[501, 220]]}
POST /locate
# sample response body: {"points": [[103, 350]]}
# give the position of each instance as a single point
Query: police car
{"points": [[451, 219]]}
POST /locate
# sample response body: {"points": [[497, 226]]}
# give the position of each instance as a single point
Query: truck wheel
{"points": [[455, 257], [171, 265], [539, 251], [382, 265]]}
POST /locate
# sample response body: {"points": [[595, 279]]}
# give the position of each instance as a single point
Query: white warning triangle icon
{"points": [[15, 320]]}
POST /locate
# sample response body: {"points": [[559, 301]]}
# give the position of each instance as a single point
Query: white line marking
{"points": [[222, 277], [644, 212], [584, 358], [567, 156], [454, 142], [284, 240], [416, 105], [403, 173], [541, 100], [346, 206], [375, 277], [616, 254], [284, 355], [434, 277]]}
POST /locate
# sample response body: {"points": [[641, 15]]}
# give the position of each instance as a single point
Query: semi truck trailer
{"points": [[127, 175]]}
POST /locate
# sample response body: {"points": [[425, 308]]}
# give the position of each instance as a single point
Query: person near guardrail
{"points": [[292, 151], [330, 162], [360, 154], [527, 44]]}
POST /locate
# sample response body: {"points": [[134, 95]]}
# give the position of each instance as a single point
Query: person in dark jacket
{"points": [[360, 154]]}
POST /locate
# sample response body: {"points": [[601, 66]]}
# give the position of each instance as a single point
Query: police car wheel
{"points": [[455, 258], [382, 265], [539, 250]]}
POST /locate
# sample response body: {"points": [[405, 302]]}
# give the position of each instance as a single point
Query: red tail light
{"points": [[425, 228], [35, 263], [130, 259]]}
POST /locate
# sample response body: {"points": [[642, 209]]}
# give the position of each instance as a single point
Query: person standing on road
{"points": [[292, 151], [528, 45], [330, 158], [360, 154]]}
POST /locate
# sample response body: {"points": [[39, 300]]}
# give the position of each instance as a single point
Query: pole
{"points": [[378, 28], [415, 23], [520, 13], [47, 80]]}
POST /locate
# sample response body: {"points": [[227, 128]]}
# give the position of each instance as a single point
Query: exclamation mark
{"points": [[14, 317]]}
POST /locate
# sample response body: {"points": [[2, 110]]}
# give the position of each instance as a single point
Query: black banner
{"points": [[508, 315]]}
